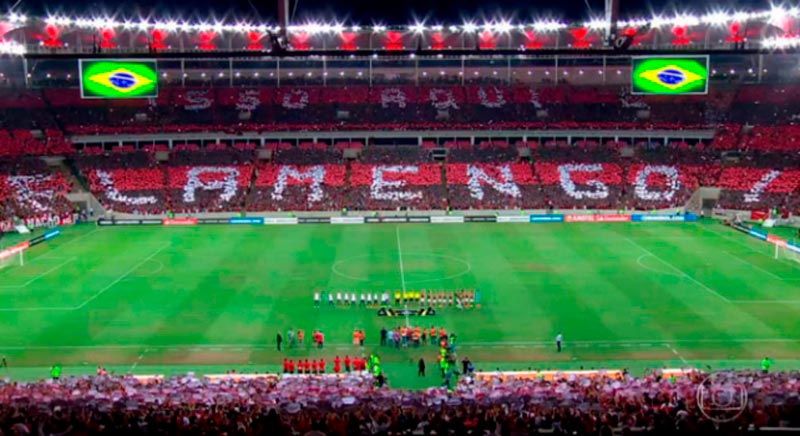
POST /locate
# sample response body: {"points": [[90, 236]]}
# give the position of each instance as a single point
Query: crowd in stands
{"points": [[493, 174], [754, 166], [400, 107], [395, 178], [31, 192], [352, 405], [488, 175]]}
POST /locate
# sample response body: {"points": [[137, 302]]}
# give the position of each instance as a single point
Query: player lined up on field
{"points": [[464, 298], [318, 366], [415, 336]]}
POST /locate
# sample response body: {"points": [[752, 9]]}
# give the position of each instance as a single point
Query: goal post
{"points": [[17, 259], [14, 255], [786, 251]]}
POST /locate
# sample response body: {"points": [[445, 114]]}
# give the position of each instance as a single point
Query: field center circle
{"points": [[414, 264]]}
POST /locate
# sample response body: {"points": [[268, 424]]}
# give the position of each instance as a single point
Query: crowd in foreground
{"points": [[352, 405]]}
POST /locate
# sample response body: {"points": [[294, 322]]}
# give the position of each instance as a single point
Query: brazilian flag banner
{"points": [[670, 75], [118, 78]]}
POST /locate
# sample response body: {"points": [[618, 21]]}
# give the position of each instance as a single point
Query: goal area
{"points": [[783, 251], [13, 256]]}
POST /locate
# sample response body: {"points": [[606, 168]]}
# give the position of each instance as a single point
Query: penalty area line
{"points": [[51, 270], [674, 268], [746, 262], [675, 352], [122, 277], [139, 359]]}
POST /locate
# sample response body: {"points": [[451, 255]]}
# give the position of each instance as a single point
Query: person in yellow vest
{"points": [[397, 298]]}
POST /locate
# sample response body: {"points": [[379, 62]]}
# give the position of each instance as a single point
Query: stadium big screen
{"points": [[670, 75], [113, 79]]}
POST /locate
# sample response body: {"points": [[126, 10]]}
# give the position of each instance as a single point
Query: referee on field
{"points": [[559, 339]]}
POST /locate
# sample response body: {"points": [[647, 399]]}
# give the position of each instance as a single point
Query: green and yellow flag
{"points": [[118, 79], [670, 75]]}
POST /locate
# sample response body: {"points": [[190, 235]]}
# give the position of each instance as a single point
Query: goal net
{"points": [[12, 256], [787, 252]]}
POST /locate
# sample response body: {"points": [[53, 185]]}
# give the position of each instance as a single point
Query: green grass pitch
{"points": [[209, 298]]}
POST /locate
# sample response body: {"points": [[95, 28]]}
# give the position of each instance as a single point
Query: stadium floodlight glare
{"points": [[83, 22], [597, 24], [504, 26], [658, 21], [548, 26], [685, 20], [313, 28], [437, 28], [12, 48], [469, 27], [636, 22], [378, 28], [417, 27], [15, 18], [781, 43], [716, 18]]}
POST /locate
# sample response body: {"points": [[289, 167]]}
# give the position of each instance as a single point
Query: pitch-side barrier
{"points": [[768, 237], [16, 249], [408, 219]]}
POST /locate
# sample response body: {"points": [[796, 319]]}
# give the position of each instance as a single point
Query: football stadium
{"points": [[494, 226]]}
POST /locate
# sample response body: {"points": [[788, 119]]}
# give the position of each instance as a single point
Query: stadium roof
{"points": [[776, 28]]}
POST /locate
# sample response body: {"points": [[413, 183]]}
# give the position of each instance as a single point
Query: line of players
{"points": [[415, 336], [464, 298], [318, 366]]}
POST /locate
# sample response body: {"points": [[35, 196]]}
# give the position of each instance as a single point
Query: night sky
{"points": [[366, 12]]}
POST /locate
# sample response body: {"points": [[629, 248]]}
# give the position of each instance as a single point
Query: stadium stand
{"points": [[583, 174], [356, 107], [215, 180], [130, 183], [29, 190], [396, 178], [602, 403]]}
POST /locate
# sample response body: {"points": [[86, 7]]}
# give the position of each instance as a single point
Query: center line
{"points": [[402, 273], [400, 259]]}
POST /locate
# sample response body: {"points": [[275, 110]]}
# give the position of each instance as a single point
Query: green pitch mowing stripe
{"points": [[217, 295]]}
